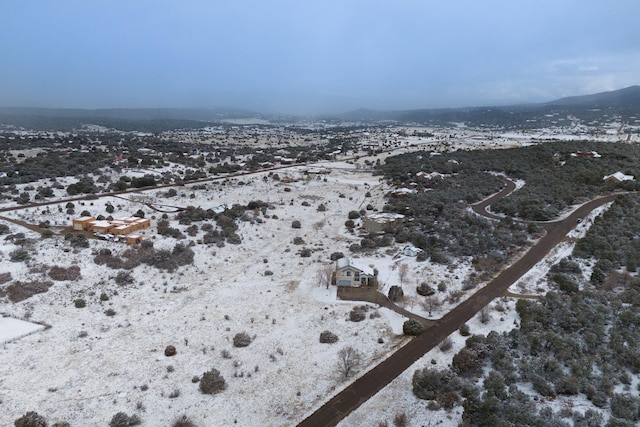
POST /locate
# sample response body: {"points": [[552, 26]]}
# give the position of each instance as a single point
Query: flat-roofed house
{"points": [[82, 223]]}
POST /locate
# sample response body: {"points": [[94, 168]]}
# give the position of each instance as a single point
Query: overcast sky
{"points": [[307, 56]]}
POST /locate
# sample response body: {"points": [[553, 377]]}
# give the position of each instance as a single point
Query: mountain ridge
{"points": [[623, 102]]}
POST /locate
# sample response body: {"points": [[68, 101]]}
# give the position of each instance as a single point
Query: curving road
{"points": [[341, 405]]}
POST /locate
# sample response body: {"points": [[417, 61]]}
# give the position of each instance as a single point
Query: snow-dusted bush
{"points": [[241, 339], [328, 337], [123, 420], [31, 419], [123, 278], [425, 290], [61, 273], [19, 255], [212, 382], [357, 314], [170, 350]]}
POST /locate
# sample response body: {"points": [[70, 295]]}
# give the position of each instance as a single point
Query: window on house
{"points": [[348, 273]]}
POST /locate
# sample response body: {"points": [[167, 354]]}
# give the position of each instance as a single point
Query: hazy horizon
{"points": [[310, 58]]}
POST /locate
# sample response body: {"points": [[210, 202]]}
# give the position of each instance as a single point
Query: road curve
{"points": [[341, 405]]}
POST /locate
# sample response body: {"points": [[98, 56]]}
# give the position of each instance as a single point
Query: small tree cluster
{"points": [[19, 291], [61, 273]]}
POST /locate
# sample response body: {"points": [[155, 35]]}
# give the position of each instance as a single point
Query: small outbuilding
{"points": [[381, 221]]}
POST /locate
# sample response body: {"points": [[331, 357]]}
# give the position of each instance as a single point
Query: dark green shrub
{"points": [[353, 215], [433, 384], [295, 224], [412, 327], [395, 293], [79, 303], [625, 406]]}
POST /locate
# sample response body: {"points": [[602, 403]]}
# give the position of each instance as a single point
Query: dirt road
{"points": [[341, 405]]}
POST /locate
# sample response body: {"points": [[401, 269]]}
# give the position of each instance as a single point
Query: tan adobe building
{"points": [[117, 227]]}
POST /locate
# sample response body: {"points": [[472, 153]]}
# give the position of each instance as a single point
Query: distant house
{"points": [[431, 175], [124, 227], [348, 274], [403, 191], [586, 154], [617, 177], [411, 251]]}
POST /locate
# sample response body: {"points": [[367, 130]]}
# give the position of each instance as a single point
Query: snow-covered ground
{"points": [[88, 365], [503, 317]]}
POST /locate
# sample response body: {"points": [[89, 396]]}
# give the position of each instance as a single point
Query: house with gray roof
{"points": [[350, 274]]}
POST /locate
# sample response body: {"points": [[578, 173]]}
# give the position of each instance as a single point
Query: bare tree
{"points": [[317, 226], [403, 270], [411, 301], [324, 275], [349, 359], [431, 304]]}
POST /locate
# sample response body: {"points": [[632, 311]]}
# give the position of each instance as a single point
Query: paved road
{"points": [[336, 409]]}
